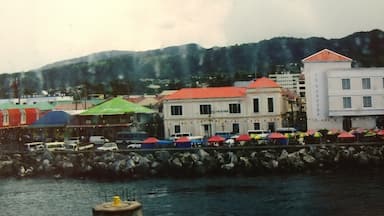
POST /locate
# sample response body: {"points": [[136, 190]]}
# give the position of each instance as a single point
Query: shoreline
{"points": [[194, 162]]}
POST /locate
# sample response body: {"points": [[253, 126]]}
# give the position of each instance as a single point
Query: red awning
{"points": [[150, 140], [276, 136], [216, 138], [243, 137]]}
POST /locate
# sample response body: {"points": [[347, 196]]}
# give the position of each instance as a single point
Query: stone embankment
{"points": [[191, 162]]}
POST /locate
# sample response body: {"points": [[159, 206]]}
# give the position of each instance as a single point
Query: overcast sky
{"points": [[38, 32]]}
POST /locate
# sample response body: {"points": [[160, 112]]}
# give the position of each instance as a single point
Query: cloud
{"points": [[39, 32]]}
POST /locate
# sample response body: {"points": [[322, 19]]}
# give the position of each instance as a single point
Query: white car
{"points": [[110, 146], [134, 145], [98, 140]]}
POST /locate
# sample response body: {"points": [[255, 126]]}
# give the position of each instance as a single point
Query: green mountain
{"points": [[126, 72]]}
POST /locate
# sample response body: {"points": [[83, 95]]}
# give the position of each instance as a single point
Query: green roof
{"points": [[116, 106], [41, 106]]}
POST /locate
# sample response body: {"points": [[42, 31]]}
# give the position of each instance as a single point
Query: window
{"points": [[347, 102], [366, 82], [23, 117], [271, 126], [207, 130], [367, 101], [346, 84], [256, 126], [176, 110], [235, 128], [270, 104], [256, 105], [234, 108], [177, 128], [205, 109]]}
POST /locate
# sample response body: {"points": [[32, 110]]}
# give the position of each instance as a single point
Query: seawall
{"points": [[193, 162]]}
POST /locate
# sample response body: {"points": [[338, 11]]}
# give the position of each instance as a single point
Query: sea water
{"points": [[290, 195]]}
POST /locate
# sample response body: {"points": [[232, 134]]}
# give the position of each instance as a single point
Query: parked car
{"points": [[79, 146], [34, 146], [98, 140], [110, 146], [134, 145], [72, 140], [176, 136], [55, 146]]}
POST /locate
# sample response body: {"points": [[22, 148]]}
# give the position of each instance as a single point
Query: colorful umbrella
{"points": [[216, 138], [310, 132], [345, 135], [317, 134], [183, 140], [243, 137], [380, 133], [150, 140], [277, 136]]}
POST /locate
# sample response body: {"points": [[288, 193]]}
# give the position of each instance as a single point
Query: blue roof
{"points": [[52, 119]]}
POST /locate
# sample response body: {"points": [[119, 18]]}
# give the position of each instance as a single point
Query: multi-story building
{"points": [[203, 111], [286, 80], [339, 96]]}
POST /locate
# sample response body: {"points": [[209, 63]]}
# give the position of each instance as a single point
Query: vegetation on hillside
{"points": [[124, 72]]}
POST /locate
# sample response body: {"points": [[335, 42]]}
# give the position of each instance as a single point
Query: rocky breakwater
{"points": [[190, 162]]}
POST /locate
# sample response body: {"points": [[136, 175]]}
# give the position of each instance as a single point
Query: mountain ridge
{"points": [[188, 65]]}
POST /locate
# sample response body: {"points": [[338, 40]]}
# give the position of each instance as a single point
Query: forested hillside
{"points": [[125, 72]]}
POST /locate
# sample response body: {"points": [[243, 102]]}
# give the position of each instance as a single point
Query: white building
{"points": [[203, 111], [339, 96], [286, 80]]}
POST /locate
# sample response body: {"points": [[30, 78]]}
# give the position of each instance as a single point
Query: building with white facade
{"points": [[203, 111], [339, 96], [286, 80]]}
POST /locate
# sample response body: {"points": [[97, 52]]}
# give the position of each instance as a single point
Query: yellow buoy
{"points": [[118, 207]]}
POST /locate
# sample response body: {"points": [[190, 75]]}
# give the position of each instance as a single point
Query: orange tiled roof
{"points": [[326, 55], [263, 82], [205, 93]]}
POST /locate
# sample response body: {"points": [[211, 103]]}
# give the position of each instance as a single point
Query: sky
{"points": [[38, 32]]}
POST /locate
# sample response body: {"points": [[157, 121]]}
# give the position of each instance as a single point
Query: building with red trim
{"points": [[203, 111]]}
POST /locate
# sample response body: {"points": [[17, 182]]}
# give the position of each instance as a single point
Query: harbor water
{"points": [[290, 195]]}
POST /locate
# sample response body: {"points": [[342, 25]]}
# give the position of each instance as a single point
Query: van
{"points": [[127, 137], [176, 136], [34, 146], [98, 140], [55, 146]]}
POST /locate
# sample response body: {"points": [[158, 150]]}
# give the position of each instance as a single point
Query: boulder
{"points": [[162, 155], [6, 168]]}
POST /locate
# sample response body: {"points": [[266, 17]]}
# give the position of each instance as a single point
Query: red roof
{"points": [[212, 92], [263, 82], [327, 55]]}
